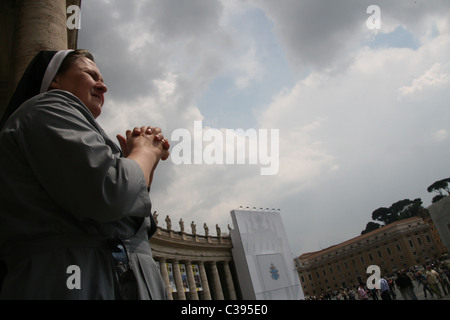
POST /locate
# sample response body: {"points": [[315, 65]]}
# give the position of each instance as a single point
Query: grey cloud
{"points": [[314, 33], [167, 31], [183, 43], [127, 74], [318, 34], [174, 19]]}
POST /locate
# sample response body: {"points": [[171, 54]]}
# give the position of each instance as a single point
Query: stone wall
{"points": [[440, 213]]}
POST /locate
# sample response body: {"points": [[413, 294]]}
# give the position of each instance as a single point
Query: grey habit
{"points": [[65, 190]]}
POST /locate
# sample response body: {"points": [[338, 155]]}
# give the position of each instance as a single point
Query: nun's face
{"points": [[84, 80]]}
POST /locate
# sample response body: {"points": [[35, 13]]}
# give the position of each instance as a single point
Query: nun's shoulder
{"points": [[51, 98], [54, 100], [54, 103], [56, 96]]}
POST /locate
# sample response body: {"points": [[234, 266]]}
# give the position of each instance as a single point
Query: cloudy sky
{"points": [[362, 113]]}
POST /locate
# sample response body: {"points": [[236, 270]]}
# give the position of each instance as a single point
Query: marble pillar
{"points": [[205, 283], [229, 281], [193, 295], [217, 286], [178, 281], [41, 25], [165, 276]]}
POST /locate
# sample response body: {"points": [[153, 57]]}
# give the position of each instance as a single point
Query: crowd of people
{"points": [[433, 278]]}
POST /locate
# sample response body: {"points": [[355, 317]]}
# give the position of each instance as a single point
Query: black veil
{"points": [[30, 83]]}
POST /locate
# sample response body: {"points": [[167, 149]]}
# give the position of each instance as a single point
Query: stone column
{"points": [[229, 281], [205, 284], [217, 286], [191, 280], [165, 276], [178, 281], [41, 25]]}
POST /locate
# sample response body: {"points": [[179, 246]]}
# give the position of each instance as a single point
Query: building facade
{"points": [[393, 247]]}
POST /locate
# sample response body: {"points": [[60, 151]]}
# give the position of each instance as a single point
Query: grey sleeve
{"points": [[75, 166]]}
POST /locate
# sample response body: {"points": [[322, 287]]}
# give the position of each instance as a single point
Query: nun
{"points": [[75, 217]]}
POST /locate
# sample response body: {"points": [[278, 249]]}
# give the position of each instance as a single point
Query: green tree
{"points": [[370, 227], [405, 209], [385, 215], [440, 186], [402, 209]]}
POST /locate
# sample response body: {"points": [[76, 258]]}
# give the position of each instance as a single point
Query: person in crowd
{"points": [[422, 280], [385, 292], [445, 283], [363, 292], [405, 285], [392, 288], [433, 281]]}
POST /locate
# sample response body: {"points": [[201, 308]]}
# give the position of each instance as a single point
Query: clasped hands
{"points": [[146, 145]]}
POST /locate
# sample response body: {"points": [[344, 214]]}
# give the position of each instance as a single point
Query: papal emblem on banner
{"points": [[274, 272]]}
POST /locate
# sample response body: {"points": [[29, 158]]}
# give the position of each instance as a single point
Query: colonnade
{"points": [[197, 280], [195, 266]]}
